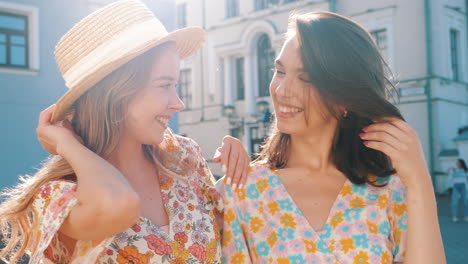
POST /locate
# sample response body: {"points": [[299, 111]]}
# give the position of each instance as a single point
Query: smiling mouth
{"points": [[163, 120], [289, 110]]}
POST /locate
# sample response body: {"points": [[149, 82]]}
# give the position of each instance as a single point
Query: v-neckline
{"points": [[328, 219]]}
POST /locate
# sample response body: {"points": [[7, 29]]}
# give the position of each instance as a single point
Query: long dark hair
{"points": [[344, 64], [463, 164]]}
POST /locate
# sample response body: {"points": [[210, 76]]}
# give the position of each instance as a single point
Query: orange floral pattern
{"points": [[193, 235]]}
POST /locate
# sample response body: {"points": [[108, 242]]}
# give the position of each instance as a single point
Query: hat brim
{"points": [[188, 41]]}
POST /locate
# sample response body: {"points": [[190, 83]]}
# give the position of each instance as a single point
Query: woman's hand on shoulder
{"points": [[401, 144], [234, 161], [53, 137]]}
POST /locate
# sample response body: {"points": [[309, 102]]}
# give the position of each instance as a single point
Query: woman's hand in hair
{"points": [[401, 144], [234, 161], [52, 136]]}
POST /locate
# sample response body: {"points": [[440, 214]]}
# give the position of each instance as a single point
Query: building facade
{"points": [[29, 78], [225, 86]]}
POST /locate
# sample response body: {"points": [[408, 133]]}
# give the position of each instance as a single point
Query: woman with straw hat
{"points": [[121, 187]]}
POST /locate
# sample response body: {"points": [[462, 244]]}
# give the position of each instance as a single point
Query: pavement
{"points": [[454, 235]]}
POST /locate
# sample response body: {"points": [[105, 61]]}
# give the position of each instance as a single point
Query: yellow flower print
{"points": [[262, 185], [347, 244], [288, 220], [179, 251], [272, 238], [382, 202], [241, 194], [398, 209], [273, 206], [361, 258], [256, 224], [283, 261], [357, 202], [385, 258], [373, 227], [229, 216], [346, 190], [227, 237], [211, 251], [336, 219], [310, 246], [332, 245], [238, 258], [397, 235]]}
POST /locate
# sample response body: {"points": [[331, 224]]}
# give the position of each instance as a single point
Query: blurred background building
{"points": [[226, 86]]}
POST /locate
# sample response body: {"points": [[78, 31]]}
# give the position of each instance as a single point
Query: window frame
{"points": [[184, 87], [8, 45], [31, 39]]}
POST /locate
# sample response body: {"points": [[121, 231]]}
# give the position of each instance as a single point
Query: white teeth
{"points": [[163, 120], [289, 109]]}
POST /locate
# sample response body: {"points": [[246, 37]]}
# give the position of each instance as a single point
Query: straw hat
{"points": [[107, 39]]}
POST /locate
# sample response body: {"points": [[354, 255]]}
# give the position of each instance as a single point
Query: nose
{"points": [[176, 103], [281, 88]]}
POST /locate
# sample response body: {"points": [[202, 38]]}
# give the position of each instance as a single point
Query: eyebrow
{"points": [[164, 78], [278, 62]]}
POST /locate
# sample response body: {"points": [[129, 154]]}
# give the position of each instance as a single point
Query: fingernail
{"points": [[366, 143], [364, 129], [228, 181], [234, 186], [241, 186], [224, 168], [362, 134]]}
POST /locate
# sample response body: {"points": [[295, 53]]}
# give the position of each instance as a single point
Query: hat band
{"points": [[122, 44]]}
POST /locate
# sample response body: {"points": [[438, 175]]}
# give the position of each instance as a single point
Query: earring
{"points": [[345, 114]]}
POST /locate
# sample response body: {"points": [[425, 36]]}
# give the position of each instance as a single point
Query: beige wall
{"points": [[405, 24]]}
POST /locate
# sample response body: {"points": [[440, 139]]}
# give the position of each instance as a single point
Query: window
{"points": [[240, 95], [381, 40], [455, 53], [265, 57], [13, 40], [232, 8], [289, 1], [182, 15], [185, 92]]}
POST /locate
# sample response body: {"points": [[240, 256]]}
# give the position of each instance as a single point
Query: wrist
{"points": [[66, 145]]}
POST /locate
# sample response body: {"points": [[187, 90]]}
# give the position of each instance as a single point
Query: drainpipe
{"points": [[333, 6], [202, 86], [428, 88]]}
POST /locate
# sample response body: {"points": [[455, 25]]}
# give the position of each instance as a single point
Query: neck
{"points": [[129, 158], [313, 151]]}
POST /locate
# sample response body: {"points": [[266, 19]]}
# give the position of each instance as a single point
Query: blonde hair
{"points": [[98, 118]]}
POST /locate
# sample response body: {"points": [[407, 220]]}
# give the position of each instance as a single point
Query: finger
{"points": [[46, 115], [245, 171], [383, 147], [238, 170], [225, 150], [217, 156], [399, 123], [231, 166], [66, 124], [390, 129], [386, 138]]}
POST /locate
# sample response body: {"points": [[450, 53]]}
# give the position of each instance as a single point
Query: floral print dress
{"points": [[262, 224], [192, 235]]}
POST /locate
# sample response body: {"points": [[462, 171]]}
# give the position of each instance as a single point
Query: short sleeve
{"points": [[51, 205], [207, 180], [398, 216], [234, 246]]}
